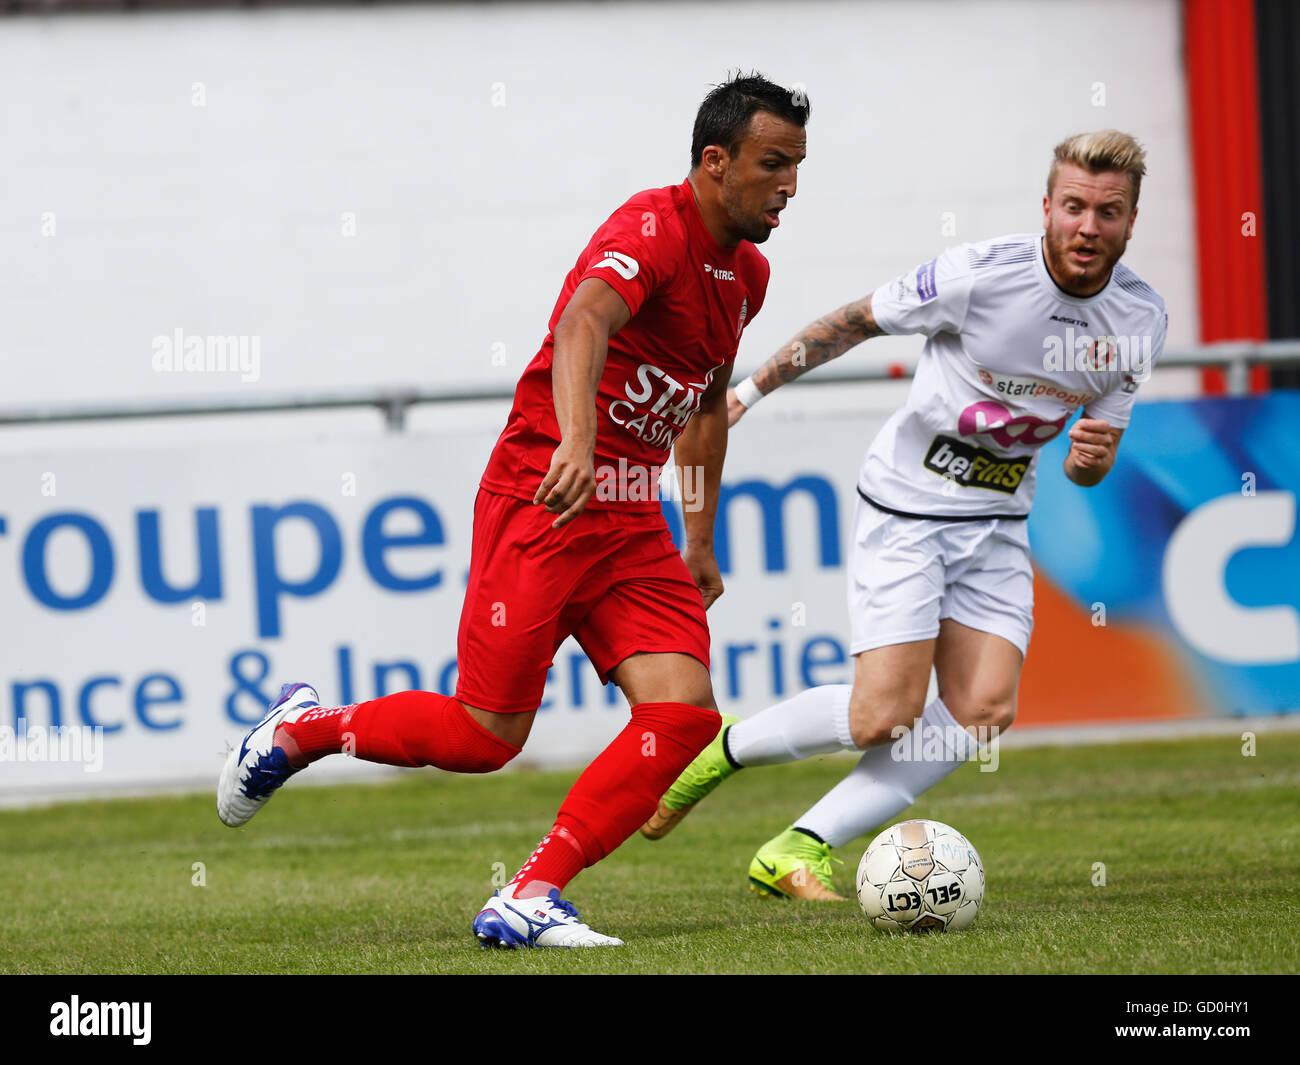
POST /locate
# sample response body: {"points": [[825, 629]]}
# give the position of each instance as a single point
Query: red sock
{"points": [[406, 729], [618, 791], [314, 735], [556, 861]]}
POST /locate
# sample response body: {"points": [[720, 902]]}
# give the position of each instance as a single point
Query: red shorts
{"points": [[611, 579]]}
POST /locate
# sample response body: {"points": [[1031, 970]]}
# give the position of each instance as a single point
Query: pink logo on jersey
{"points": [[987, 418]]}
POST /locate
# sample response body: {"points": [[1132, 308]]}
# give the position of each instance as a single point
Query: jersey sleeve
{"points": [[1115, 405], [931, 299], [636, 252]]}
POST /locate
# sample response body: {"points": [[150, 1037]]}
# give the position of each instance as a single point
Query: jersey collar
{"points": [[696, 222]]}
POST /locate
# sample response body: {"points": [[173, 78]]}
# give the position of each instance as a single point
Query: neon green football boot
{"points": [[794, 865], [710, 768]]}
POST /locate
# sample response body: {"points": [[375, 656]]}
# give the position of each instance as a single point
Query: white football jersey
{"points": [[1010, 357]]}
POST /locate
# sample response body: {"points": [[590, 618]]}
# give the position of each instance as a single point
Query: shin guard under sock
{"points": [[406, 729], [621, 788]]}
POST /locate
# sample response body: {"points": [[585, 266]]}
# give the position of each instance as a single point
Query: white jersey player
{"points": [[1023, 331]]}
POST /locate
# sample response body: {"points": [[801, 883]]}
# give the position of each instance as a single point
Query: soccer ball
{"points": [[921, 876]]}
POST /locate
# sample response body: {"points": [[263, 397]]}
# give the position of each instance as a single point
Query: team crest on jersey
{"points": [[744, 313], [1101, 353]]}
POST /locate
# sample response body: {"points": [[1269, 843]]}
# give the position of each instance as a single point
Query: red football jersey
{"points": [[690, 300]]}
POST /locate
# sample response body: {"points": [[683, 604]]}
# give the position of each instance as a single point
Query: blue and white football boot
{"points": [[543, 921], [257, 767]]}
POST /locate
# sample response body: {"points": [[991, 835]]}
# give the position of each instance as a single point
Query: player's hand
{"points": [[569, 483], [1092, 444], [735, 409], [703, 568]]}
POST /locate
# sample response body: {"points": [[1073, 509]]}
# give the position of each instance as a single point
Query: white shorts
{"points": [[907, 574]]}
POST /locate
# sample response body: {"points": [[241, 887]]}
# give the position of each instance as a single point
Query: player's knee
{"points": [[472, 740], [485, 761], [994, 712], [692, 727], [876, 725], [702, 727], [700, 697]]}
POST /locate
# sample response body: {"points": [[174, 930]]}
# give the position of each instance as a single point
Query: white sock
{"points": [[889, 778], [815, 721]]}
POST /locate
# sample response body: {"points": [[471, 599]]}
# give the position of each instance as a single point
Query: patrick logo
{"points": [[623, 265]]}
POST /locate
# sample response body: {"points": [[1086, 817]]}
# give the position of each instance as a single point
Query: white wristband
{"points": [[747, 393]]}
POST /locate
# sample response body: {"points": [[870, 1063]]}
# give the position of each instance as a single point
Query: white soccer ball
{"points": [[921, 876]]}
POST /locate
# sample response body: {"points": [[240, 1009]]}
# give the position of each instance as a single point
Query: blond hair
{"points": [[1107, 149]]}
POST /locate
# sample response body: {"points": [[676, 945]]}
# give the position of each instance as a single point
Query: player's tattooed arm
{"points": [[594, 313], [1093, 445], [827, 338], [699, 454]]}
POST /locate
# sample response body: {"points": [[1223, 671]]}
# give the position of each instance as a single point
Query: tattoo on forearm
{"points": [[827, 338]]}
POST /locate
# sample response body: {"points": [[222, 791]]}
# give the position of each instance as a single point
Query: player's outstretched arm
{"points": [[699, 453], [1093, 444], [594, 313], [827, 338]]}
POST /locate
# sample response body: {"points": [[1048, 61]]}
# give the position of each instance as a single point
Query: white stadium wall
{"points": [[387, 195], [391, 196], [167, 610]]}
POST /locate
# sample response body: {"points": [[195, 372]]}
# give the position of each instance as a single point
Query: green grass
{"points": [[1201, 849]]}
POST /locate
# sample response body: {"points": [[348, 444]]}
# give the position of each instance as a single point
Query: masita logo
{"points": [[102, 1018]]}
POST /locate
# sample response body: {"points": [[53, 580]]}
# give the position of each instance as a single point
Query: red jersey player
{"points": [[569, 538]]}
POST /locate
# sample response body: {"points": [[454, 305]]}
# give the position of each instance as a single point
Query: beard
{"points": [[753, 228], [1076, 278]]}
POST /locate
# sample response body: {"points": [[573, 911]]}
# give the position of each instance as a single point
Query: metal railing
{"points": [[394, 403]]}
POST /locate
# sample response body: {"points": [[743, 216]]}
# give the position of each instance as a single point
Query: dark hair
{"points": [[723, 117]]}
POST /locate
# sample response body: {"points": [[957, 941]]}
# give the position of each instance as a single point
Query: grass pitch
{"points": [[1200, 847]]}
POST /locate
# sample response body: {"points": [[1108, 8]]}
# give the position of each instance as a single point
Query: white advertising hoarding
{"points": [[156, 600]]}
